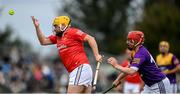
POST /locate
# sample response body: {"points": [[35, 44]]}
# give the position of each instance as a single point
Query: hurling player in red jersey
{"points": [[132, 83], [69, 42]]}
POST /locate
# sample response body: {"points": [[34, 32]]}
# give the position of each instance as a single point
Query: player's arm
{"points": [[119, 79], [174, 70], [125, 70], [92, 43], [41, 37]]}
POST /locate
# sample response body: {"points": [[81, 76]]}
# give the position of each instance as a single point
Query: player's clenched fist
{"points": [[112, 61]]}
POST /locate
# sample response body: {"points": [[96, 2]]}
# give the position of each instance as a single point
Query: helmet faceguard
{"points": [[134, 39], [61, 23]]}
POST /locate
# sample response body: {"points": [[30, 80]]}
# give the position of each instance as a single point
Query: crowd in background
{"points": [[20, 73], [30, 74]]}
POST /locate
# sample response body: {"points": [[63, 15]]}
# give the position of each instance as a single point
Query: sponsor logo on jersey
{"points": [[62, 46]]}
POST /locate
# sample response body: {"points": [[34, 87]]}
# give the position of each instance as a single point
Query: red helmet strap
{"points": [[138, 42]]}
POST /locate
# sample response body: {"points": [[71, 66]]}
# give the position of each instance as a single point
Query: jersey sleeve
{"points": [[137, 62], [175, 60], [53, 39], [79, 35]]}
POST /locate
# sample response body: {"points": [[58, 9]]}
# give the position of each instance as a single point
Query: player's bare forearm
{"points": [[173, 70], [126, 70], [119, 78], [115, 64], [40, 35], [92, 43]]}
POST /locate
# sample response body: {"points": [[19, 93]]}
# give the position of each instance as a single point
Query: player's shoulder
{"points": [[142, 51], [74, 30], [52, 36], [170, 54]]}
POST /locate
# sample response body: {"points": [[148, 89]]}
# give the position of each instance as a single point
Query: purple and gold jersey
{"points": [[143, 62], [166, 63]]}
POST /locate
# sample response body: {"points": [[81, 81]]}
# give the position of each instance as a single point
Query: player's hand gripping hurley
{"points": [[96, 73]]}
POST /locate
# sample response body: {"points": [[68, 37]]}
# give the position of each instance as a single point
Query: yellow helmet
{"points": [[165, 44], [62, 20]]}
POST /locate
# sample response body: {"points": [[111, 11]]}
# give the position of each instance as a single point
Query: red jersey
{"points": [[71, 49], [135, 78]]}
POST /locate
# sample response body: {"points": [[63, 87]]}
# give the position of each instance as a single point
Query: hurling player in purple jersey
{"points": [[142, 62], [168, 64]]}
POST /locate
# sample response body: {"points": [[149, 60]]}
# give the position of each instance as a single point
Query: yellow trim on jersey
{"points": [[164, 60], [133, 53]]}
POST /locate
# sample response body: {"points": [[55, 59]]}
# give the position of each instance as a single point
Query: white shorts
{"points": [[130, 88], [174, 88], [82, 75], [162, 87]]}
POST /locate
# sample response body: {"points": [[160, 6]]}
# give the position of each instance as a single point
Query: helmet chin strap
{"points": [[138, 43], [61, 31], [63, 28], [134, 47], [58, 33]]}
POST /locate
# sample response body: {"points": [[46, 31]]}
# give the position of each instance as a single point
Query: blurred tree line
{"points": [[10, 42], [104, 19], [161, 21], [107, 21]]}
